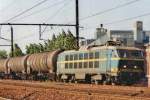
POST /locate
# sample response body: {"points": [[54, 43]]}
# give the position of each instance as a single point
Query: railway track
{"points": [[138, 93]]}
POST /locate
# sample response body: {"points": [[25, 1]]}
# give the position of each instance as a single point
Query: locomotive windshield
{"points": [[130, 53]]}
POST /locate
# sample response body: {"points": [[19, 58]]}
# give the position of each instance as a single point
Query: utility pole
{"points": [[77, 22], [40, 33], [12, 42]]}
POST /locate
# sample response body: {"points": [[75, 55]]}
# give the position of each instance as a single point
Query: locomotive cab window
{"points": [[136, 54], [123, 53]]}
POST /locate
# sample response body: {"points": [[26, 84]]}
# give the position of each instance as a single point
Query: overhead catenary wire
{"points": [[127, 19], [25, 11], [53, 15], [49, 18], [60, 9], [55, 4], [121, 20], [110, 9], [40, 10]]}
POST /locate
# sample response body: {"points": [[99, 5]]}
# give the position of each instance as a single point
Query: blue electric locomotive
{"points": [[107, 64]]}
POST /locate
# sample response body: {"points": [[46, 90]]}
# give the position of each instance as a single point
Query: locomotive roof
{"points": [[116, 47], [103, 47]]}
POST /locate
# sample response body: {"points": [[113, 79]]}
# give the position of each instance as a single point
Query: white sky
{"points": [[65, 13]]}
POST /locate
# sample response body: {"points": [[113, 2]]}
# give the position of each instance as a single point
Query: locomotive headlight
{"points": [[135, 67], [124, 66]]}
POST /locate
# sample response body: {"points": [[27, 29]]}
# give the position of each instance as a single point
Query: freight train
{"points": [[99, 64]]}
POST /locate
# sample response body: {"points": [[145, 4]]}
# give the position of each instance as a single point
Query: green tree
{"points": [[27, 49], [41, 47], [53, 37], [63, 41], [51, 44], [70, 41], [59, 43], [3, 54], [17, 51]]}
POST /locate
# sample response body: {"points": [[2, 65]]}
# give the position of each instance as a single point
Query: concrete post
{"points": [[148, 65], [148, 77]]}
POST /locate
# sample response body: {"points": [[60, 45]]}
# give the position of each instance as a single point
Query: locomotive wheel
{"points": [[113, 83], [104, 82]]}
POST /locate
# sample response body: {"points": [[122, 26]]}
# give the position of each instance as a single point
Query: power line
{"points": [[60, 9], [53, 16], [108, 10], [126, 19], [119, 21], [38, 11], [26, 10], [45, 21], [55, 4]]}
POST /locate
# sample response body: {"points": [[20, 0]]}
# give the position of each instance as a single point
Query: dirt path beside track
{"points": [[25, 90]]}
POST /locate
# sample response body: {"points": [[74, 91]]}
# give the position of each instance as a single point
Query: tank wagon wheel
{"points": [[75, 81], [64, 81], [96, 82]]}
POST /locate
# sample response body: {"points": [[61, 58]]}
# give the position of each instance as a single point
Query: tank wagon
{"points": [[3, 67], [34, 66], [42, 65], [106, 64]]}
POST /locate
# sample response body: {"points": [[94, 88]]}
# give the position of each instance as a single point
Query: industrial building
{"points": [[135, 37]]}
